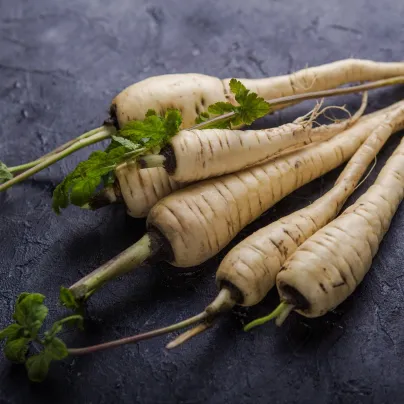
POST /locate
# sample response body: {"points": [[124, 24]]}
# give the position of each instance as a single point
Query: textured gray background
{"points": [[60, 65]]}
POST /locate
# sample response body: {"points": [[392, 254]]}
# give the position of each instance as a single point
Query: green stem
{"points": [[64, 146], [102, 135], [285, 313], [140, 337], [129, 259], [283, 306], [291, 99], [70, 318]]}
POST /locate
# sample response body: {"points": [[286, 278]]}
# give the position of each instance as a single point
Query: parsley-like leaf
{"points": [[56, 349], [128, 144], [81, 184], [239, 90], [38, 366], [16, 350], [21, 297], [203, 117], [134, 139], [220, 108], [30, 312], [13, 331], [153, 131], [5, 174], [172, 123], [250, 108]]}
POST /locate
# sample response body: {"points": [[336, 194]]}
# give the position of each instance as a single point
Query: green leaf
{"points": [[203, 117], [30, 312], [21, 297], [16, 350], [129, 145], [172, 123], [239, 90], [153, 131], [56, 349], [108, 179], [80, 185], [5, 174], [112, 145], [253, 108], [148, 133], [38, 366], [250, 108], [75, 319], [67, 299], [220, 108], [82, 191], [134, 139], [13, 331], [115, 156]]}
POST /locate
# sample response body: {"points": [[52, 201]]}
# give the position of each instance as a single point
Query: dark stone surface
{"points": [[60, 65]]}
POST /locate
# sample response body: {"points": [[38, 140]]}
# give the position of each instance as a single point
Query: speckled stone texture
{"points": [[61, 62]]}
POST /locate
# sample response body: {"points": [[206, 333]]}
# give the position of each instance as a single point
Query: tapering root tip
{"points": [[224, 302], [189, 334]]}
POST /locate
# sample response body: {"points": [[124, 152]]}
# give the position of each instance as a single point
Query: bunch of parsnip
{"points": [[178, 156]]}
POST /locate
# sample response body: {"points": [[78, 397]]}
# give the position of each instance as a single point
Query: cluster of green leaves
{"points": [[29, 315], [137, 138], [5, 174], [250, 108], [134, 139]]}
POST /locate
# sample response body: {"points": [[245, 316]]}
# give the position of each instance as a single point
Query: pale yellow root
{"points": [[328, 267], [201, 154], [322, 77], [192, 93], [252, 266]]}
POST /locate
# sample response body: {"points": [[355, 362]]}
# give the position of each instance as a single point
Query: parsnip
{"points": [[329, 266], [193, 93], [198, 154], [322, 77], [193, 224]]}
